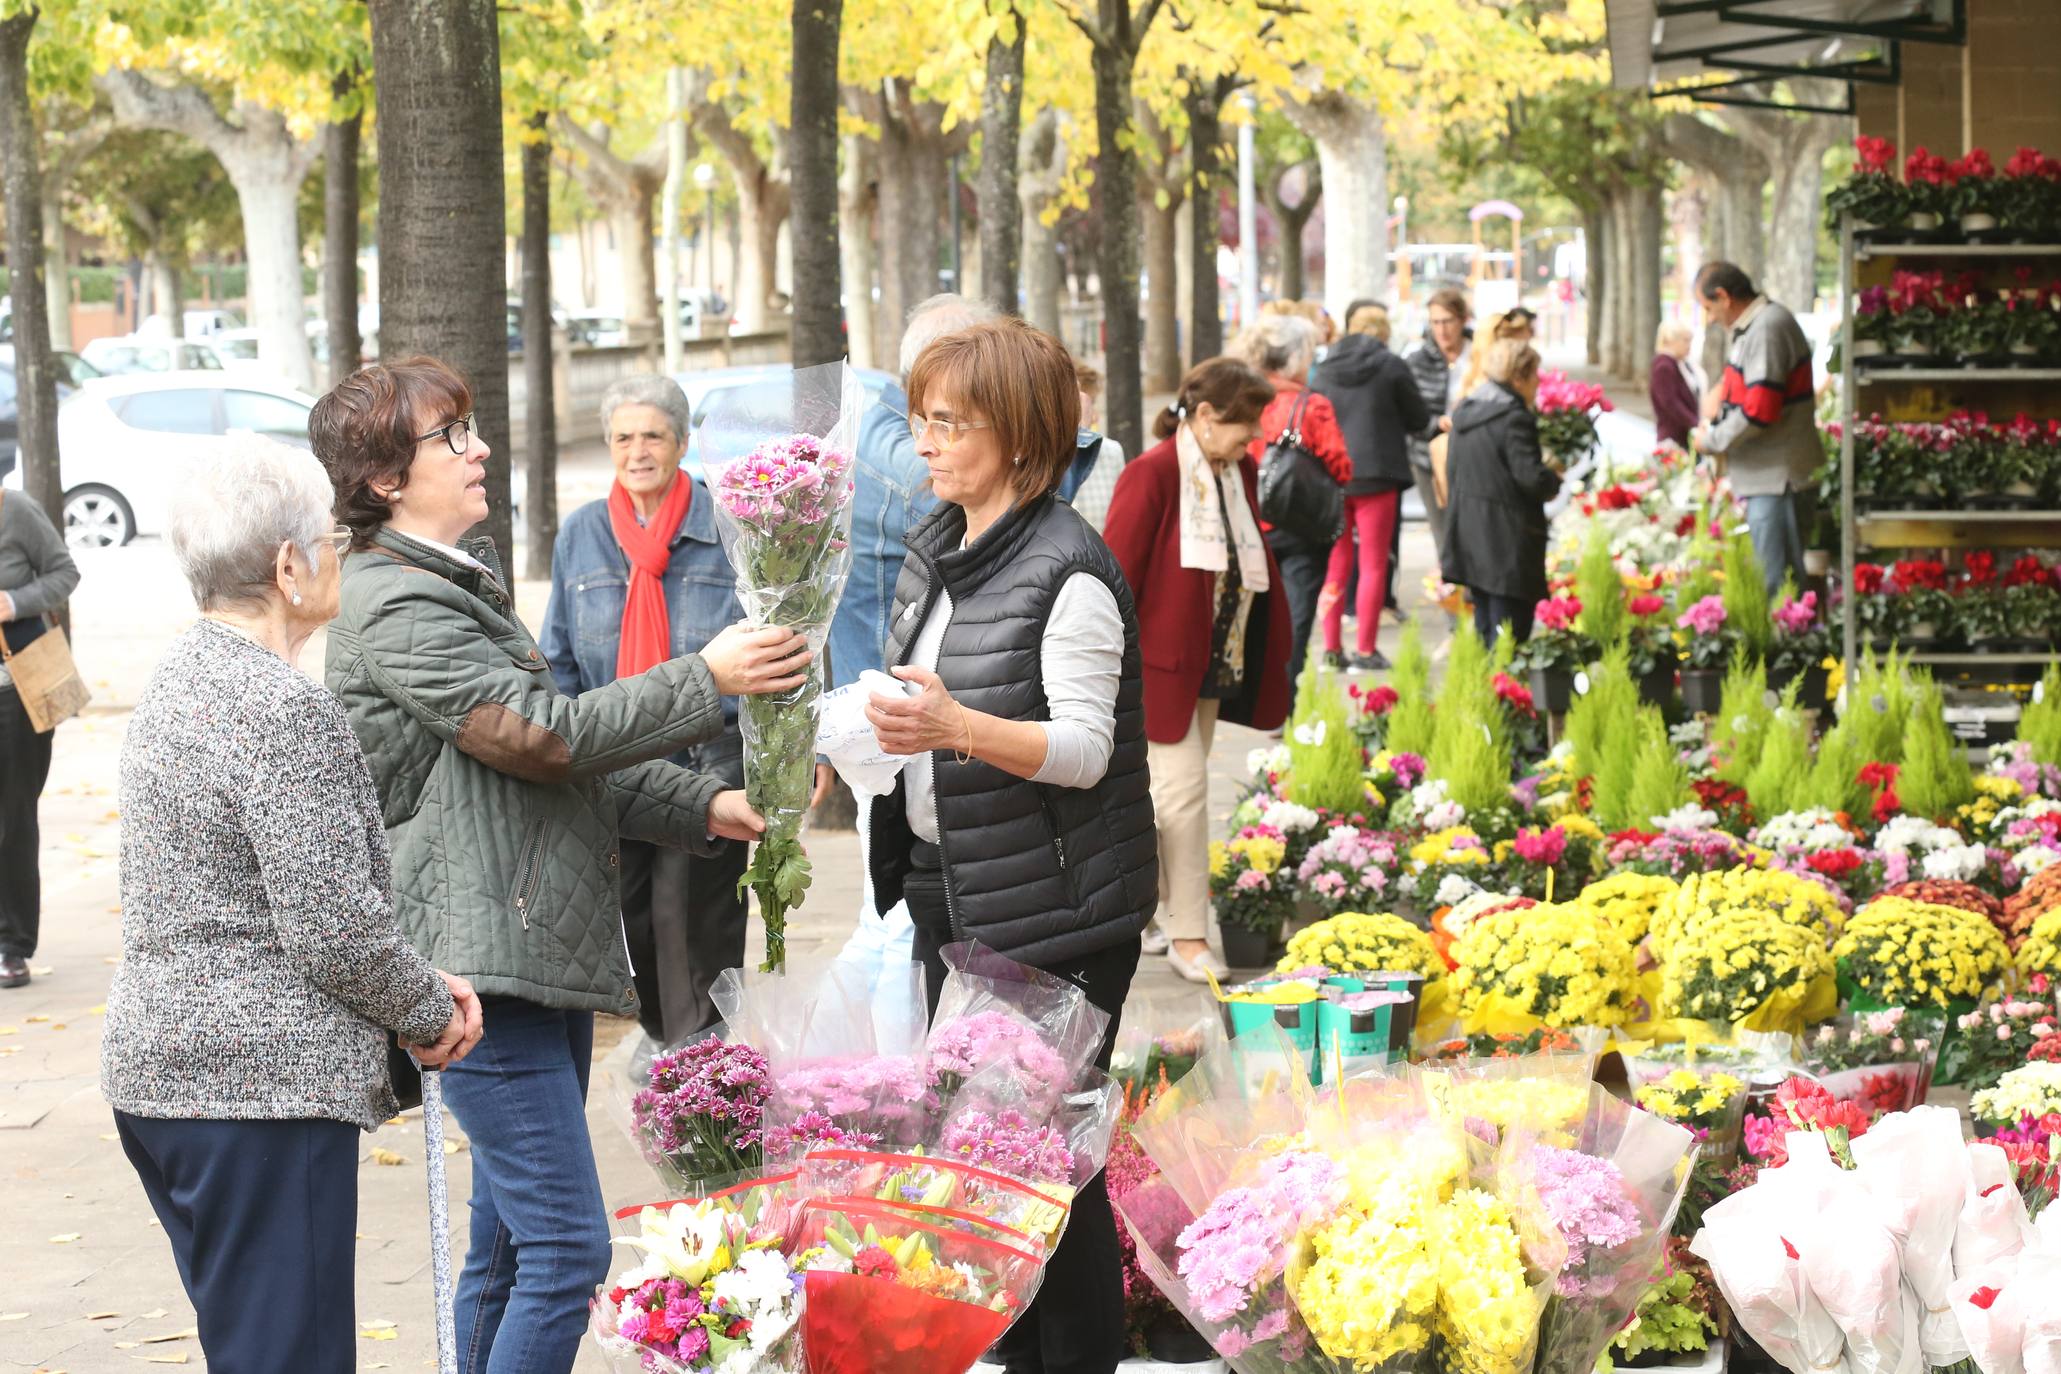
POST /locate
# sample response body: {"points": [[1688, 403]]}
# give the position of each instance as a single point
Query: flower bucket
{"points": [[1856, 1000], [1703, 690], [1553, 689], [1365, 1030], [1978, 222], [1297, 1022], [1817, 562], [1244, 947]]}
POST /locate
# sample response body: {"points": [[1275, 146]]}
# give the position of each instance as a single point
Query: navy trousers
{"points": [[263, 1220]]}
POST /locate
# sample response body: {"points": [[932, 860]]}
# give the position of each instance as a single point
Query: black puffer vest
{"points": [[1039, 873]]}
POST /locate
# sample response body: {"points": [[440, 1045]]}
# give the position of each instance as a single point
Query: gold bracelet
{"points": [[966, 722]]}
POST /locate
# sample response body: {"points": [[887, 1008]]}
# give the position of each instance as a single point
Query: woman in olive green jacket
{"points": [[504, 801]]}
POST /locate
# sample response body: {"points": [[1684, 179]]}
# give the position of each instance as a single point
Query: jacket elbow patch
{"points": [[508, 743]]}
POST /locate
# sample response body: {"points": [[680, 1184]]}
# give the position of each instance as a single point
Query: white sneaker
{"points": [[1154, 940], [1192, 969]]}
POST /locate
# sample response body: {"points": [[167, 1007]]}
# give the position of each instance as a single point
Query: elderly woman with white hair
{"points": [[1675, 384], [262, 965], [637, 578]]}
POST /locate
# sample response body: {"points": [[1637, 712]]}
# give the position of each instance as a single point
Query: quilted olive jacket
{"points": [[504, 798]]}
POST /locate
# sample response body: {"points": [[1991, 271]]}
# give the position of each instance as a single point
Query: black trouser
{"points": [[1075, 1325], [24, 768], [1302, 578], [1491, 613], [685, 923], [263, 1220]]}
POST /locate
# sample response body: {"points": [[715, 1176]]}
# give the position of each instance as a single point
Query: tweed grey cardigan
{"points": [[260, 956]]}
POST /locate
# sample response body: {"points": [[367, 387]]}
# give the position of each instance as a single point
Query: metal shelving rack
{"points": [[1927, 528]]}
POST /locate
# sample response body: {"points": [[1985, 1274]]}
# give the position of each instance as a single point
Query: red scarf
{"points": [[647, 637]]}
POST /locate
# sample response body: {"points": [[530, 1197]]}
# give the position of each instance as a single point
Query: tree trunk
{"points": [[540, 457], [35, 371], [812, 141], [1624, 314], [764, 207], [673, 190], [163, 277], [1291, 220], [637, 244], [443, 277], [1162, 308], [1116, 208], [1792, 270], [57, 276], [340, 141], [1647, 231], [914, 175], [1205, 308], [1041, 165], [1596, 256], [1352, 154], [855, 200], [1001, 127]]}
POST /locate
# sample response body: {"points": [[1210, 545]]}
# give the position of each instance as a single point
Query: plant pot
{"points": [[1552, 689], [1171, 1340], [1657, 688], [1978, 222], [1245, 947], [1924, 222], [2024, 355], [1817, 562], [1920, 629], [1702, 690], [1814, 691], [1867, 348]]}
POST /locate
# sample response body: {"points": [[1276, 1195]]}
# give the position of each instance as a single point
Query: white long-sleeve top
{"points": [[1082, 660]]}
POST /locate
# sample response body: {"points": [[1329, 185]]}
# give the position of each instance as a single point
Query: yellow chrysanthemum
{"points": [[1364, 942], [1628, 901], [2041, 952], [1902, 952], [1487, 1312], [1731, 960], [1785, 897], [1559, 963]]}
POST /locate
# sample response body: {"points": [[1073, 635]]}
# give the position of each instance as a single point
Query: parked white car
{"points": [[202, 323], [128, 353], [123, 441]]}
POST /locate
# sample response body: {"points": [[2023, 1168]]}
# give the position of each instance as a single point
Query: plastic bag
{"points": [[1993, 1226], [1253, 1088], [846, 739], [778, 462], [1760, 1270], [1854, 1265], [1916, 1167], [928, 1181], [998, 1019], [1162, 1037], [891, 1293]]}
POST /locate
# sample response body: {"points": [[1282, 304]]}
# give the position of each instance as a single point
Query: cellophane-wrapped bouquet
{"points": [[1385, 1224], [778, 461], [716, 1291], [1900, 1249]]}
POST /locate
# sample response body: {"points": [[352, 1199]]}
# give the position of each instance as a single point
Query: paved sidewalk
{"points": [[87, 1283]]}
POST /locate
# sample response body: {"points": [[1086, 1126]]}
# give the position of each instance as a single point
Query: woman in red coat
{"points": [[1213, 623]]}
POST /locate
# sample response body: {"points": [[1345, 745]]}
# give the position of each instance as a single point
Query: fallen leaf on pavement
{"points": [[66, 1239], [110, 1136], [101, 1316], [125, 1345], [382, 1155], [41, 970], [377, 1331], [153, 1314], [176, 1357], [10, 1030], [188, 1334], [38, 1019], [97, 1009], [452, 1147], [13, 1316]]}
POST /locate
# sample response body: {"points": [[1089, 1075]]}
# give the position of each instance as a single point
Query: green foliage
{"points": [[1605, 709], [1505, 653], [1835, 772], [1780, 778], [1660, 780], [2040, 726], [1669, 1319], [1470, 744], [1411, 724], [1742, 720], [1878, 703], [1746, 596], [1324, 758], [1935, 777], [1617, 765], [1600, 590]]}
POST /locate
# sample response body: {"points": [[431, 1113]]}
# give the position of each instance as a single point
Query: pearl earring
{"points": [[296, 598]]}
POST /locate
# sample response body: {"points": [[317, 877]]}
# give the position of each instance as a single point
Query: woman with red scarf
{"points": [[636, 579]]}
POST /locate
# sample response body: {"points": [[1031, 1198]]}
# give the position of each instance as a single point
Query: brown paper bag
{"points": [[46, 678]]}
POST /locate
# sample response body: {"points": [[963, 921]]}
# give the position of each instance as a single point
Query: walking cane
{"points": [[439, 1220]]}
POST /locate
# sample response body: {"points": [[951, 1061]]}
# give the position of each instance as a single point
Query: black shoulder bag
{"points": [[1296, 493]]}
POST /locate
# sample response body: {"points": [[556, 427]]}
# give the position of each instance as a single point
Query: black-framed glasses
{"points": [[458, 434]]}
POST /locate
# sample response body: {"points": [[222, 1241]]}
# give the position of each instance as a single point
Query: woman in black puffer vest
{"points": [[1024, 818]]}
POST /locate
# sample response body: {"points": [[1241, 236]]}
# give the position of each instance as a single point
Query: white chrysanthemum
{"points": [[1686, 817], [1288, 818], [1960, 864], [1454, 889]]}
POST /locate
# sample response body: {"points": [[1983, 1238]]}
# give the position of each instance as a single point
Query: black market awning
{"points": [[1749, 52]]}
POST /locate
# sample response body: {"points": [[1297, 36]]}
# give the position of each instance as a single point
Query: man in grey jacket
{"points": [[1765, 427]]}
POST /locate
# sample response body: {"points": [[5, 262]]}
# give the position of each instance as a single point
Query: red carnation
{"points": [[1645, 604]]}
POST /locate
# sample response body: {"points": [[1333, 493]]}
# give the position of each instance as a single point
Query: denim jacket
{"points": [[889, 498], [590, 580]]}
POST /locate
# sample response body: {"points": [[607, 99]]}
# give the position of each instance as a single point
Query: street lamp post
{"points": [[705, 178]]}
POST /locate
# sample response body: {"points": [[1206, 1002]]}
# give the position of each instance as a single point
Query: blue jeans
{"points": [[1777, 526], [539, 1229], [263, 1221]]}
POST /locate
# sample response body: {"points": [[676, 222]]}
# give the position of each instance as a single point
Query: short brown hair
{"points": [[1510, 361], [1087, 378], [1452, 299], [1369, 319], [1234, 389], [1020, 380], [364, 432]]}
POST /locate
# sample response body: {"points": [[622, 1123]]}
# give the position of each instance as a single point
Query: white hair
{"points": [[936, 317], [1283, 345], [234, 509], [648, 389]]}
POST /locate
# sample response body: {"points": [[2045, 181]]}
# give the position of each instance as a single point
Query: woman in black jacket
{"points": [[1497, 486], [1379, 408], [1024, 818]]}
